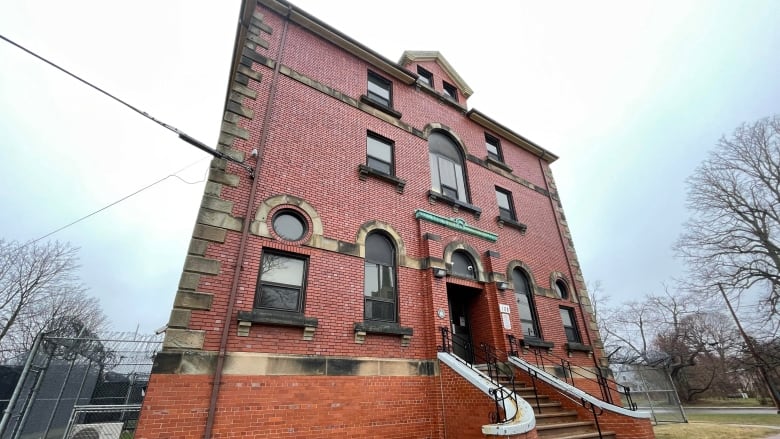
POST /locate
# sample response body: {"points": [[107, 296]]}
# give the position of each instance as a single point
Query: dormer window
{"points": [[450, 91], [426, 77]]}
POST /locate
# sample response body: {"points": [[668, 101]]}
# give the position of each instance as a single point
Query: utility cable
{"points": [[182, 135], [120, 200]]}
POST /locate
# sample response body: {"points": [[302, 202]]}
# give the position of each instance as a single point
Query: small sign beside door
{"points": [[505, 315]]}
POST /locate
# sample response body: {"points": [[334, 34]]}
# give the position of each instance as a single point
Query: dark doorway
{"points": [[460, 299]]}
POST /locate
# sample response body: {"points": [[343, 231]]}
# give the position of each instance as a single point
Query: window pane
{"points": [[503, 200], [442, 145], [379, 165], [379, 90], [371, 279], [289, 226], [491, 149], [378, 149], [461, 183], [278, 297], [560, 288], [462, 265], [379, 249], [435, 182], [379, 310], [520, 281], [447, 173], [566, 317], [282, 270]]}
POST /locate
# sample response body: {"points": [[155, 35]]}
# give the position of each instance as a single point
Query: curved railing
{"points": [[504, 391], [607, 386]]}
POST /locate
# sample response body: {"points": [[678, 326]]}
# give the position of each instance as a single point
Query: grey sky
{"points": [[630, 95]]}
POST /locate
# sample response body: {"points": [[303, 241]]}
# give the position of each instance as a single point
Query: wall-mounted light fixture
{"points": [[502, 285], [439, 272]]}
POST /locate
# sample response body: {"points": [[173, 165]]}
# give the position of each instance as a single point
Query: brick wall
{"points": [[293, 406]]}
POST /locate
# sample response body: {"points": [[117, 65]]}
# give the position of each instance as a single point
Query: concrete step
{"points": [[560, 417], [565, 429]]}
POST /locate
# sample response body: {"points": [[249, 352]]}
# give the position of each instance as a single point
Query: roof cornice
{"points": [[322, 29], [510, 135], [434, 55]]}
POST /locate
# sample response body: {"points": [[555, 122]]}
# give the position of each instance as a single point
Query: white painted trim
{"points": [[521, 422], [574, 391]]}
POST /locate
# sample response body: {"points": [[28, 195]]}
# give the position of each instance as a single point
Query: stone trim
{"points": [[261, 364], [382, 328], [489, 165], [457, 205], [457, 224], [276, 318], [490, 161], [511, 223], [183, 339], [366, 171], [578, 347], [383, 108], [524, 267], [450, 248]]}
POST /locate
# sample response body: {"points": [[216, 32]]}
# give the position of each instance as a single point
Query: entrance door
{"points": [[462, 345]]}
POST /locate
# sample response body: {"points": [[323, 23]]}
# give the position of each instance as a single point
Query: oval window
{"points": [[289, 225]]}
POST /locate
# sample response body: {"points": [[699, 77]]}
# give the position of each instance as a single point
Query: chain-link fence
{"points": [[652, 390], [77, 388]]}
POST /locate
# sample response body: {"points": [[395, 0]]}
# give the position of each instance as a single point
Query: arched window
{"points": [[561, 289], [529, 321], [447, 174], [463, 265], [379, 288]]}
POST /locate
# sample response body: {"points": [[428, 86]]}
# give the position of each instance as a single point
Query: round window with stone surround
{"points": [[289, 225]]}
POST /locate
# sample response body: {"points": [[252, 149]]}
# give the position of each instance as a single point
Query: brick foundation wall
{"points": [[293, 406]]}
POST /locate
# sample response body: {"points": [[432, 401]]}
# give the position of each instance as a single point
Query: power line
{"points": [[119, 201], [182, 135]]}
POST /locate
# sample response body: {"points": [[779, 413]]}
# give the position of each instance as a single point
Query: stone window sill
{"points": [[366, 171], [456, 204], [382, 328], [533, 343], [276, 318], [498, 164], [578, 347], [511, 223], [383, 108]]}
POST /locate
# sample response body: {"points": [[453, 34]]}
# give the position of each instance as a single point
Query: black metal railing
{"points": [[608, 387], [502, 377]]}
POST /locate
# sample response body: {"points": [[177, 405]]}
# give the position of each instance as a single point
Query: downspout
{"points": [[244, 235], [568, 261]]}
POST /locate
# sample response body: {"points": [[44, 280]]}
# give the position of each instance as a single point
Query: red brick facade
{"points": [[297, 114]]}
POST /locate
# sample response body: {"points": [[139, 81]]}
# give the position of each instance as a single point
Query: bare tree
{"points": [[732, 236], [40, 292]]}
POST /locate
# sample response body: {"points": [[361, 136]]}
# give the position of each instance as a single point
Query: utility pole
{"points": [[749, 343]]}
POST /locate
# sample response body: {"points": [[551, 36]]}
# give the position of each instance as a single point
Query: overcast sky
{"points": [[630, 95]]}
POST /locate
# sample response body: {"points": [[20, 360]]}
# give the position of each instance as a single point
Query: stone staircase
{"points": [[554, 421]]}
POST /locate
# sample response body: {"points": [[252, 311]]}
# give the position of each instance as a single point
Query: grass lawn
{"points": [[709, 431], [724, 418], [723, 402], [709, 426]]}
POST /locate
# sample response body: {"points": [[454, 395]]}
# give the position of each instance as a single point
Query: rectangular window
{"points": [[506, 209], [450, 91], [570, 325], [281, 282], [426, 77], [493, 148], [379, 153], [379, 292], [380, 90], [527, 318]]}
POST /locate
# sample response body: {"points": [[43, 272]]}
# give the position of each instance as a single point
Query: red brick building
{"points": [[378, 238]]}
